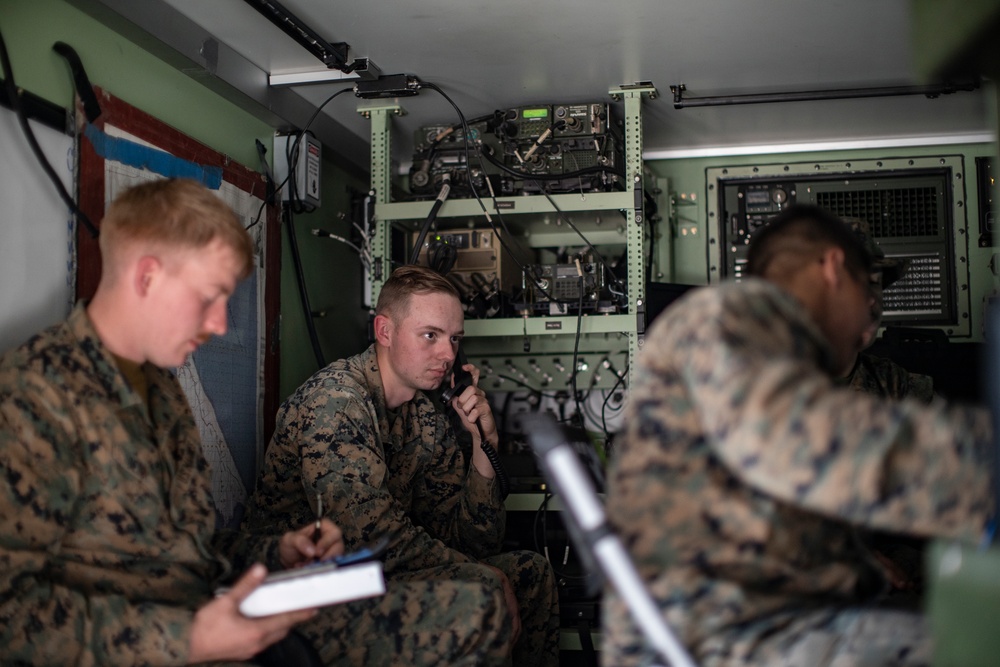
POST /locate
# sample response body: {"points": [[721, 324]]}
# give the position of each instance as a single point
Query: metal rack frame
{"points": [[553, 332]]}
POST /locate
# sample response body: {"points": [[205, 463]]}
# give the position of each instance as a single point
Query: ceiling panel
{"points": [[492, 55]]}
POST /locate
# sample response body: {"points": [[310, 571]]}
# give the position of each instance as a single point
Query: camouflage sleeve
{"points": [[779, 424], [880, 376], [341, 457], [243, 548], [43, 621], [458, 505]]}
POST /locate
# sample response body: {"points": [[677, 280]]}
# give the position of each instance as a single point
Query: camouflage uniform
{"points": [[744, 471], [107, 538], [883, 377], [403, 473], [901, 557]]}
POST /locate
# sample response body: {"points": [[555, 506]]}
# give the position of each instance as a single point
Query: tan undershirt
{"points": [[136, 377]]}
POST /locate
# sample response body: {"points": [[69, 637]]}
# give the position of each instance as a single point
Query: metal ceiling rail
{"points": [[931, 91]]}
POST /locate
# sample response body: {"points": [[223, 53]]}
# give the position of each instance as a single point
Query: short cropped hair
{"points": [[798, 235], [394, 299], [175, 213]]}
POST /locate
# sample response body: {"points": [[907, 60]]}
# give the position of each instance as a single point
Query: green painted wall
{"points": [[333, 276], [688, 186], [125, 70], [131, 73], [688, 224]]}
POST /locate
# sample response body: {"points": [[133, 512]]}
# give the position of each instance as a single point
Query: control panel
{"points": [[909, 213]]}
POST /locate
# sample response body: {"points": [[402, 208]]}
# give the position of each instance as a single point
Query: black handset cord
{"points": [[494, 457], [491, 453]]}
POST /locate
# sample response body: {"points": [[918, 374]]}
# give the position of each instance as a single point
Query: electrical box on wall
{"points": [[298, 161]]}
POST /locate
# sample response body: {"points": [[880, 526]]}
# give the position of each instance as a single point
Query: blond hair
{"points": [[174, 213]]}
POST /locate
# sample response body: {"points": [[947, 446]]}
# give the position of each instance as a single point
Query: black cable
{"points": [[292, 159], [468, 170], [598, 255], [503, 482], [15, 103], [91, 107], [652, 209], [525, 270], [425, 227], [539, 518], [292, 151], [303, 293], [441, 257], [529, 270], [604, 421], [576, 352], [268, 178], [505, 412], [596, 169]]}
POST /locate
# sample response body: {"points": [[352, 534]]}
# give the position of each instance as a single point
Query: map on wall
{"points": [[222, 379]]}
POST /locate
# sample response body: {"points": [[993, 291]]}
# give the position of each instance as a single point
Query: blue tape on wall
{"points": [[157, 161]]}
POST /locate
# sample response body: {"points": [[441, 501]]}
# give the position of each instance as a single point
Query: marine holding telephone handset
{"points": [[462, 381]]}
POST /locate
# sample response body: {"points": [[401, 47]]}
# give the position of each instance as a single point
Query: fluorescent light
{"points": [[300, 78], [820, 146]]}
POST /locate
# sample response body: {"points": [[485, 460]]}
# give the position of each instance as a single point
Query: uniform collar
{"points": [[101, 358]]}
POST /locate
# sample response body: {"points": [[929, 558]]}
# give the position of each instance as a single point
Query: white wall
{"points": [[35, 235]]}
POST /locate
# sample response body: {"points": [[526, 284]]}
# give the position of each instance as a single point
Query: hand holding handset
{"points": [[343, 578], [462, 381], [462, 377]]}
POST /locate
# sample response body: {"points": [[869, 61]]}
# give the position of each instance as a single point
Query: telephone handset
{"points": [[463, 380]]}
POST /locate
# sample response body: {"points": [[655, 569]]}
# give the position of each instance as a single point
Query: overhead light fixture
{"points": [[364, 69]]}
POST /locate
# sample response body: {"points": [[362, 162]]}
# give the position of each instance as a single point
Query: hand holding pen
{"points": [[320, 540]]}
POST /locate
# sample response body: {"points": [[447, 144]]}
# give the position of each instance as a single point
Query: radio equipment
{"points": [[475, 263], [579, 149], [523, 150], [442, 154], [558, 289]]}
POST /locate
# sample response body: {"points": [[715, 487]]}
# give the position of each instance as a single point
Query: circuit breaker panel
{"points": [[915, 212]]}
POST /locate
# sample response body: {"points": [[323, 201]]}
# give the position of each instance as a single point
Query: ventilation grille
{"points": [[895, 213], [910, 217]]}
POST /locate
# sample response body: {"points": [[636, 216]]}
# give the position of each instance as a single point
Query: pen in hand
{"points": [[317, 531]]}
